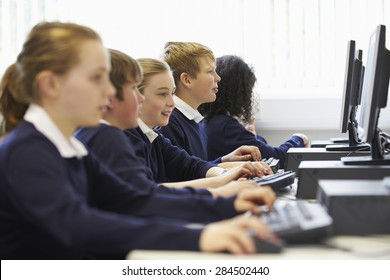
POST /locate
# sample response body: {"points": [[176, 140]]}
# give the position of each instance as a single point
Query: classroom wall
{"points": [[318, 118]]}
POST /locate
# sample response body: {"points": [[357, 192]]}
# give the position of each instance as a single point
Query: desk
{"points": [[361, 247]]}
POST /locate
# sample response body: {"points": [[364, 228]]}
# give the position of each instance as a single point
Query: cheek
{"points": [[152, 107], [147, 111]]}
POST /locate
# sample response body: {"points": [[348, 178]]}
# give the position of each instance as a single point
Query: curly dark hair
{"points": [[235, 89]]}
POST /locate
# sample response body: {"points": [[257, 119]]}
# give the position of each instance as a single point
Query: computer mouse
{"points": [[268, 245], [271, 244]]}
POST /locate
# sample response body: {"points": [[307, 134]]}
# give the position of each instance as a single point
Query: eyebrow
{"points": [[163, 88], [101, 69]]}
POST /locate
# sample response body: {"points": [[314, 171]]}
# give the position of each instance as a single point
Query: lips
{"points": [[166, 114]]}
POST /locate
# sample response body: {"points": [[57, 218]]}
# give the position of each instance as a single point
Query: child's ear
{"points": [[46, 82], [185, 80]]}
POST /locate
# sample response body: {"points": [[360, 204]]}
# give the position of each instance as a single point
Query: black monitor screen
{"points": [[375, 89], [354, 72]]}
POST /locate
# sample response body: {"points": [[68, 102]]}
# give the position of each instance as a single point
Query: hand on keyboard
{"points": [[273, 163], [276, 181], [298, 221]]}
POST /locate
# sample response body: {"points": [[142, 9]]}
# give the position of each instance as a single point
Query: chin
{"points": [[91, 123], [163, 123], [212, 98]]}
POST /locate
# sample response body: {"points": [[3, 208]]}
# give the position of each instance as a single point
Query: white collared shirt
{"points": [[68, 148], [187, 110], [150, 133]]}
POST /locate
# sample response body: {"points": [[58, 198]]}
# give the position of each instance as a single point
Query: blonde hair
{"points": [[123, 69], [52, 46], [151, 67], [185, 57]]}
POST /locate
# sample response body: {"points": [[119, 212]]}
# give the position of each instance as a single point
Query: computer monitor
{"points": [[353, 81], [374, 98], [354, 73]]}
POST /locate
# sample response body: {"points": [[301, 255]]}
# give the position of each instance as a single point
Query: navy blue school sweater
{"points": [[226, 134], [73, 208], [188, 135], [114, 149], [167, 162]]}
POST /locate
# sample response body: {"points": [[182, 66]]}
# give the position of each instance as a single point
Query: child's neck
{"points": [[188, 98]]}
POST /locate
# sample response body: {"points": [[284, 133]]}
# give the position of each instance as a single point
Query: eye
{"points": [[97, 78]]}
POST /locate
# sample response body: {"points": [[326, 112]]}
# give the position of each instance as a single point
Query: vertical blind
{"points": [[297, 47]]}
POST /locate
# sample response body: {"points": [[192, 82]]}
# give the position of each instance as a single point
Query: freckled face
{"points": [[158, 104]]}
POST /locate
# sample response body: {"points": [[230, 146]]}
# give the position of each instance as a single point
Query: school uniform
{"points": [[167, 162], [57, 201], [114, 149], [185, 131], [226, 134]]}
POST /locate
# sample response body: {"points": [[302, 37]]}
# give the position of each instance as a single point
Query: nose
{"points": [[217, 77], [170, 101]]}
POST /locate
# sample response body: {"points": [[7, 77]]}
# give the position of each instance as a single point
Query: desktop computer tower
{"points": [[296, 155], [310, 172], [357, 207]]}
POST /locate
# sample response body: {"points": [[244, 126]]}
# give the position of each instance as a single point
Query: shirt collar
{"points": [[150, 133], [103, 121], [68, 148], [187, 110]]}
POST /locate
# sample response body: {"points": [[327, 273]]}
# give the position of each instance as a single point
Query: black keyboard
{"points": [[298, 221], [276, 181], [273, 163]]}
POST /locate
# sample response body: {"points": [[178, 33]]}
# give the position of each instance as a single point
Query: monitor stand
{"points": [[340, 140], [380, 154], [347, 147], [331, 141]]}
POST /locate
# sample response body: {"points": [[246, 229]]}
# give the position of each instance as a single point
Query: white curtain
{"points": [[297, 47]]}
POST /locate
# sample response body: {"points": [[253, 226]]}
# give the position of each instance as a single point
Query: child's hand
{"points": [[250, 199], [230, 236], [306, 141], [250, 126], [246, 169], [243, 153]]}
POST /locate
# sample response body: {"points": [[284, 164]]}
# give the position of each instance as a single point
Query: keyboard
{"points": [[273, 163], [298, 221], [276, 181]]}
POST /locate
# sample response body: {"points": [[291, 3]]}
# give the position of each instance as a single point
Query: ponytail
{"points": [[11, 108]]}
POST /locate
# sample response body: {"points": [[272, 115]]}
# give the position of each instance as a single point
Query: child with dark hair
{"points": [[232, 108], [193, 68]]}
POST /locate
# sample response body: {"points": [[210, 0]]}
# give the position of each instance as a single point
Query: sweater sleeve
{"points": [[237, 134], [179, 165], [112, 194], [45, 200], [114, 149]]}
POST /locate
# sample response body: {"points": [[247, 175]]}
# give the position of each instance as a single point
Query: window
{"points": [[296, 46]]}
